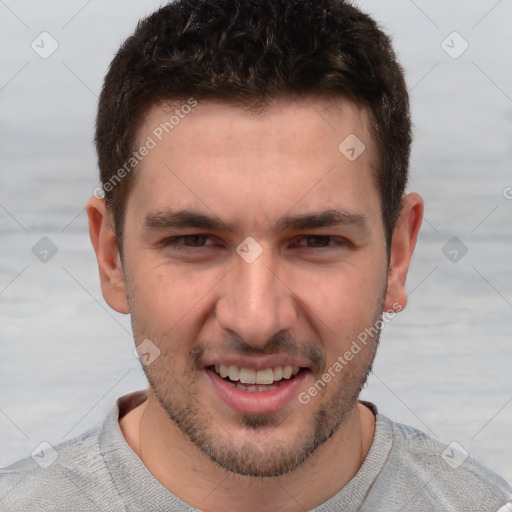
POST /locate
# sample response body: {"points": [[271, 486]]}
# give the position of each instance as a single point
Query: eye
{"points": [[320, 241], [188, 241]]}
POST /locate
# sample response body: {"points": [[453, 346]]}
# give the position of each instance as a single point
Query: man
{"points": [[253, 158]]}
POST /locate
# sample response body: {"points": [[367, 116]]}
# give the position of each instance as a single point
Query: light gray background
{"points": [[444, 364]]}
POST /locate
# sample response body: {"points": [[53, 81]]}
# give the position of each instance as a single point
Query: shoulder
{"points": [[428, 474], [70, 476]]}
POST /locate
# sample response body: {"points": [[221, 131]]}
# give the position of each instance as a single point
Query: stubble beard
{"points": [[273, 457], [245, 458]]}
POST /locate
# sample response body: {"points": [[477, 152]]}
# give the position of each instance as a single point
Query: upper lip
{"points": [[257, 362]]}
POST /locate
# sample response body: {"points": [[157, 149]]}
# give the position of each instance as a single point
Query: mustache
{"points": [[280, 343]]}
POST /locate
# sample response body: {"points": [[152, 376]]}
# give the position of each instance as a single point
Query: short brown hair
{"points": [[248, 51]]}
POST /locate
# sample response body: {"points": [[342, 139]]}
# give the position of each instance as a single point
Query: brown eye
{"points": [[321, 242], [188, 241], [194, 240], [317, 241]]}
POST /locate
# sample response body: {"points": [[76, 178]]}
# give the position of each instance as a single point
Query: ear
{"points": [[402, 247], [107, 253]]}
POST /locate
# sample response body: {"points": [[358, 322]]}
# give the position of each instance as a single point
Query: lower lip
{"points": [[256, 402]]}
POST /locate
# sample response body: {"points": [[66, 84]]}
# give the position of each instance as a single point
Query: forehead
{"points": [[311, 119], [292, 154]]}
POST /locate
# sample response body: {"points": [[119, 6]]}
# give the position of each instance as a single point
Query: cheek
{"points": [[168, 299], [343, 300]]}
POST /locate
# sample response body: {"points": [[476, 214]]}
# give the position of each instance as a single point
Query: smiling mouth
{"points": [[247, 379]]}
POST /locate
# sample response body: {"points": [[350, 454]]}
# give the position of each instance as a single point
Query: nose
{"points": [[256, 303]]}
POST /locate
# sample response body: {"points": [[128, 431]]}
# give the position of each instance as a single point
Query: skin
{"points": [[204, 302]]}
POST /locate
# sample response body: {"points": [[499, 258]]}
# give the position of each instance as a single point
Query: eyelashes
{"points": [[202, 242]]}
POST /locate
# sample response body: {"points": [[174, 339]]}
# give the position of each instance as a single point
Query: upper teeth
{"points": [[248, 376]]}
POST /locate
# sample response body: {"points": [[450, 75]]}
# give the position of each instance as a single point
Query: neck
{"points": [[178, 465]]}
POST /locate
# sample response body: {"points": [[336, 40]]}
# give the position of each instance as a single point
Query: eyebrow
{"points": [[326, 218], [192, 219], [185, 219]]}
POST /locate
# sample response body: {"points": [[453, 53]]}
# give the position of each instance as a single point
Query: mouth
{"points": [[253, 391], [251, 380]]}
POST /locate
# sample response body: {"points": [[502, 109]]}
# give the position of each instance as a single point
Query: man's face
{"points": [[253, 244]]}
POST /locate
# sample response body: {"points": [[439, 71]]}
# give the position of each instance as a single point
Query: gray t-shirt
{"points": [[405, 470]]}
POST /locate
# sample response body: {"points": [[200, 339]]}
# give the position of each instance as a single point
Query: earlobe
{"points": [[402, 247], [107, 254]]}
